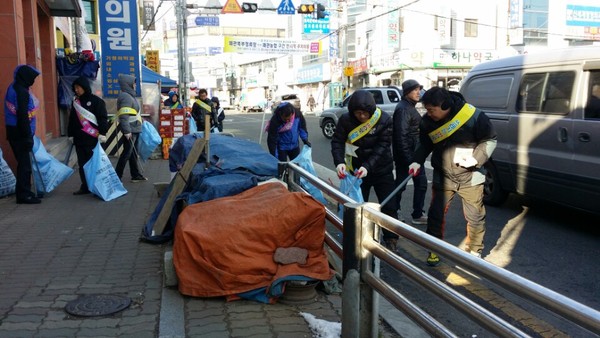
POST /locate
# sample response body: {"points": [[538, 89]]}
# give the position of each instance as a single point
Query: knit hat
{"points": [[410, 85], [362, 100]]}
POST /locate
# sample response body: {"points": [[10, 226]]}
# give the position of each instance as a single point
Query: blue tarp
{"points": [[236, 165], [150, 76]]}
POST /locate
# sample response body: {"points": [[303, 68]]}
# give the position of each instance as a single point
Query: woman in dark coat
{"points": [[88, 124]]}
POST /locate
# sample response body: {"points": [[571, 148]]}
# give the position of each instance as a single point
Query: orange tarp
{"points": [[225, 246]]}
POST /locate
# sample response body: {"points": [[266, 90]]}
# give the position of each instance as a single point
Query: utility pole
{"points": [[180, 12]]}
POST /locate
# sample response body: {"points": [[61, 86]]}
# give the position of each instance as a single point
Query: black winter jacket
{"points": [[94, 105], [477, 134], [374, 149], [405, 139]]}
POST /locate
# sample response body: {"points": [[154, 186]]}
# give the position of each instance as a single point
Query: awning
{"points": [[388, 75], [150, 76], [66, 8]]}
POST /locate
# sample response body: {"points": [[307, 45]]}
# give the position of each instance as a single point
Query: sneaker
{"points": [[391, 244], [29, 200], [420, 221], [433, 259], [475, 253], [138, 179]]}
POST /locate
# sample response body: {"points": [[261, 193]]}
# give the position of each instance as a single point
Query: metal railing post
{"points": [[351, 305], [350, 242]]}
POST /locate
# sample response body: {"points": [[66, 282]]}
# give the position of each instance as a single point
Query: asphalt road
{"points": [[551, 245]]}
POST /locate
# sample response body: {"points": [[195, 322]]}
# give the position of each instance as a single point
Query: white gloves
{"points": [[413, 169], [468, 162], [127, 136], [341, 170], [102, 138], [361, 172]]}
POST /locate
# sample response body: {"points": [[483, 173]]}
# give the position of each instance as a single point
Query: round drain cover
{"points": [[97, 305]]}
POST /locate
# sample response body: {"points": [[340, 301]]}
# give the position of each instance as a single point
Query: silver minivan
{"points": [[548, 124]]}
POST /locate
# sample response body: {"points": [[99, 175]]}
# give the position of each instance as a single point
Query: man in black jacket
{"points": [[405, 142], [461, 139], [20, 109], [88, 124], [361, 146]]}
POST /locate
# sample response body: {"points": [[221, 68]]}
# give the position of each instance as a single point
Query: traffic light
{"points": [[321, 12], [306, 9], [249, 7]]}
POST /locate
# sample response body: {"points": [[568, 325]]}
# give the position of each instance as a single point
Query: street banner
{"points": [[235, 44], [119, 39]]}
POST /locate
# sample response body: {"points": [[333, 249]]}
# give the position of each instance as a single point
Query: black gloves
{"points": [[307, 143]]}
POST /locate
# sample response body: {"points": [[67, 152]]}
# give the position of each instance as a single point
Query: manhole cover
{"points": [[97, 305]]}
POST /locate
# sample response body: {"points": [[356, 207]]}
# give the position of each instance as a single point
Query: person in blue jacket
{"points": [[286, 127], [173, 101], [20, 109]]}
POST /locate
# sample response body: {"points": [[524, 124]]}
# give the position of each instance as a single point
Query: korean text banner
{"points": [[119, 42], [234, 44]]}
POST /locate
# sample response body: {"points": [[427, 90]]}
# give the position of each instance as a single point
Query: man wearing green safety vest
{"points": [[461, 139], [130, 124]]}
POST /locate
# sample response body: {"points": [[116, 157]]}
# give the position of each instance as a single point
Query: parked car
{"points": [[386, 99], [548, 144], [291, 98]]}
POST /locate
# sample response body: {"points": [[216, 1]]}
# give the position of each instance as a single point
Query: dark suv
{"points": [[386, 99]]}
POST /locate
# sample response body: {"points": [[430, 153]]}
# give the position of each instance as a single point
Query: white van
{"points": [[548, 125]]}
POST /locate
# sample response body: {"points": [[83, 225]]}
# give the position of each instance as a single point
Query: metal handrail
{"points": [[567, 308]]}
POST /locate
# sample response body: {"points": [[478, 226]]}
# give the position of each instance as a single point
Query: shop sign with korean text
{"points": [[235, 44], [119, 44]]}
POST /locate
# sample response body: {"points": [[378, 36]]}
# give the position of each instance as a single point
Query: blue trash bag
{"points": [[8, 181], [48, 172], [102, 180], [304, 160], [149, 140], [192, 125], [350, 186]]}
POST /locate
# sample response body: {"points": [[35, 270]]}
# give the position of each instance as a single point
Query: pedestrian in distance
{"points": [[460, 139], [20, 109], [201, 108], [405, 141], [88, 124], [173, 102], [220, 112], [361, 146], [130, 125], [285, 130], [311, 103]]}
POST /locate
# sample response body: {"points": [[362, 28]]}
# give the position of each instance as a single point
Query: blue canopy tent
{"points": [[150, 76]]}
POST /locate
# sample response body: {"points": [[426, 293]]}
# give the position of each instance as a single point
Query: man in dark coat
{"points": [[405, 141], [361, 146], [20, 109], [461, 139], [88, 124]]}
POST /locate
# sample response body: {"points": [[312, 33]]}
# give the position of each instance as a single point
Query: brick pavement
{"points": [[79, 245]]}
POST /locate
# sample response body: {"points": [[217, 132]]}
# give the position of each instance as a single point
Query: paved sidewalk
{"points": [[70, 246]]}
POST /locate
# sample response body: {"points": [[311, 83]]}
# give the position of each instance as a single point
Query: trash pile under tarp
{"points": [[233, 237], [236, 246]]}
